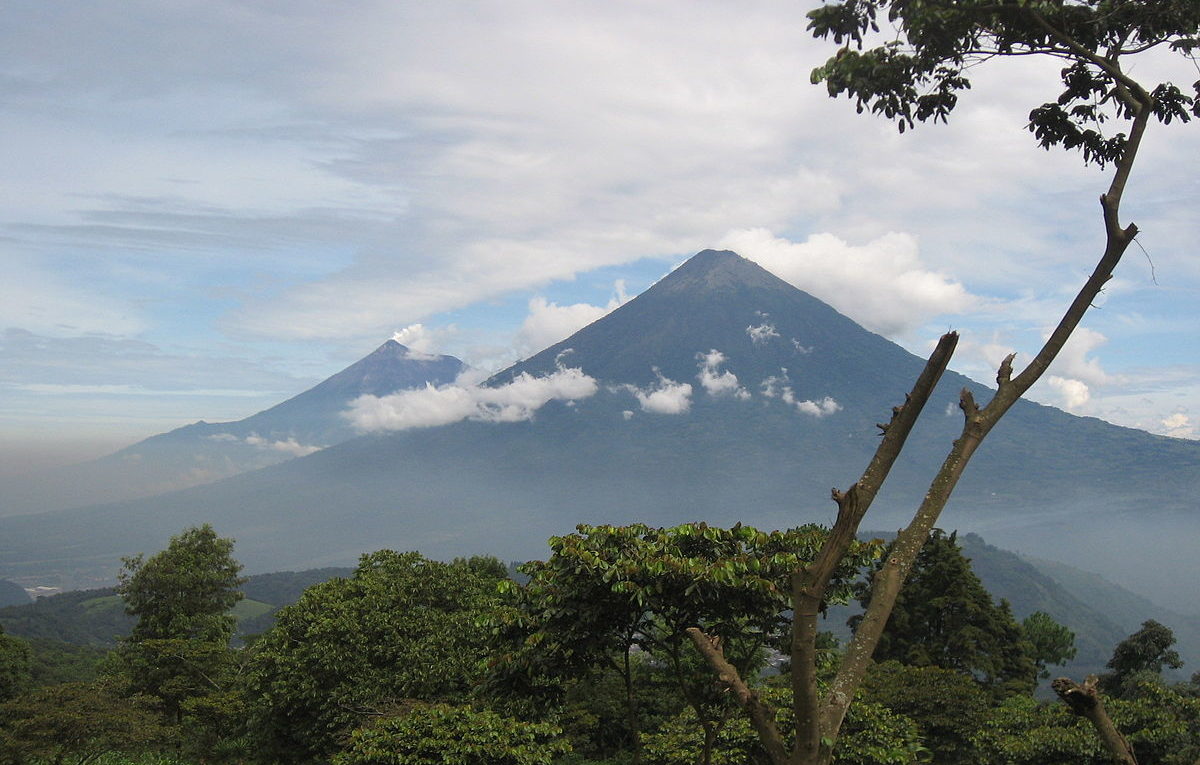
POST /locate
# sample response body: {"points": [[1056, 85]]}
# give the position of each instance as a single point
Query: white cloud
{"points": [[1179, 425], [762, 333], [431, 406], [423, 342], [882, 284], [548, 322], [822, 408], [714, 380], [288, 446], [667, 397], [776, 386], [1073, 361], [1073, 393]]}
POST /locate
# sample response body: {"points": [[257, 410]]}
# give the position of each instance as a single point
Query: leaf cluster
{"points": [[402, 627], [454, 735], [917, 74], [185, 591], [605, 589]]}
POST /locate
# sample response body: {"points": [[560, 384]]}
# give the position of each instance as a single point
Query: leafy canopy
{"points": [[944, 617], [917, 74], [184, 592], [402, 627]]}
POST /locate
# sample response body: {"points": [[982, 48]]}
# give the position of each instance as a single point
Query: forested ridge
{"points": [[582, 658]]}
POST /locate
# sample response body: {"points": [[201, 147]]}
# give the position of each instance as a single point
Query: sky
{"points": [[208, 207]]}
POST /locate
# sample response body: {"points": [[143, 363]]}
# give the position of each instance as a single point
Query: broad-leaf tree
{"points": [[914, 71], [608, 591], [179, 647], [1140, 657], [429, 734], [401, 628], [79, 722]]}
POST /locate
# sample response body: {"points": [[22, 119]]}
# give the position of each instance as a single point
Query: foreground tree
{"points": [[179, 648], [607, 592], [1140, 657], [915, 76], [1051, 642], [77, 723], [944, 617], [441, 734], [401, 628]]}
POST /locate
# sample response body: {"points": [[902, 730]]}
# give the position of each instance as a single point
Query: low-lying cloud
{"points": [[287, 446], [762, 333], [716, 381], [441, 405], [776, 386], [667, 397]]}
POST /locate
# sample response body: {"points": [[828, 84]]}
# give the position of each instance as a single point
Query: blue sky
{"points": [[208, 207]]}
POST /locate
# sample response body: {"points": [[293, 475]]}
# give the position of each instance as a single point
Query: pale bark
{"points": [[1084, 700], [818, 722]]}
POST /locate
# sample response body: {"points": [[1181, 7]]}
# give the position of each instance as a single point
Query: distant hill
{"points": [[781, 399], [97, 617], [12, 594], [1100, 613], [207, 451]]}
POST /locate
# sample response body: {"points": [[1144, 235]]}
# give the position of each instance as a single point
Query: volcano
{"points": [[207, 451], [722, 394]]}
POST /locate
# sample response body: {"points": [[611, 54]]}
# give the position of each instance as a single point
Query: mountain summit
{"points": [[721, 394]]}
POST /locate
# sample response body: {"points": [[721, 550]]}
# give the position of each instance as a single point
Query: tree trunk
{"points": [[1084, 700]]}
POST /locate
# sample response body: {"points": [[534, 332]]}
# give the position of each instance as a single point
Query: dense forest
{"points": [[581, 658]]}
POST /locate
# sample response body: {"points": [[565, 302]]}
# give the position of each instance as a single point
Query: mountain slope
{"points": [[203, 452], [764, 449]]}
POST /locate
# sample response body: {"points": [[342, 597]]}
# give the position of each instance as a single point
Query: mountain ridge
{"points": [[202, 452], [814, 384]]}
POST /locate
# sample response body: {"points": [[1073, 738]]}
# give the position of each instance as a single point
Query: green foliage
{"points": [[402, 627], [78, 722], [72, 617], [14, 666], [1162, 725], [184, 592], [54, 661], [609, 588], [594, 714], [919, 72], [1022, 731], [944, 617], [1138, 658], [947, 706], [872, 735], [607, 591], [440, 734], [1049, 642], [179, 647]]}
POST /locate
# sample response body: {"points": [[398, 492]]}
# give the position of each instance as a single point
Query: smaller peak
{"points": [[390, 347]]}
